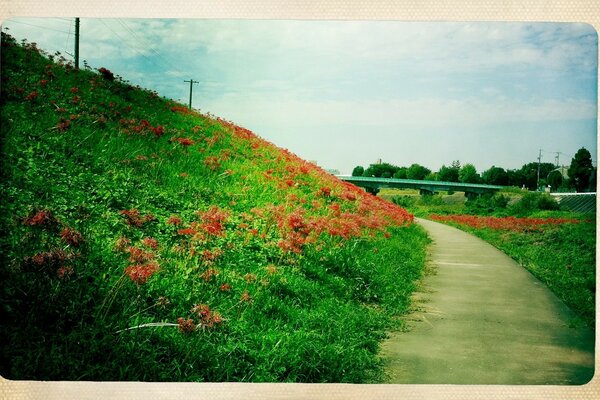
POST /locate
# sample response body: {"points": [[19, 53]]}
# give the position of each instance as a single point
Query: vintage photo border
{"points": [[586, 11]]}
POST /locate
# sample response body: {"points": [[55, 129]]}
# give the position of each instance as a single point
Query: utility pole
{"points": [[77, 43], [538, 172], [191, 81]]}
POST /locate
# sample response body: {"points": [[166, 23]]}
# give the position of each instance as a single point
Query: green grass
{"points": [[287, 274]]}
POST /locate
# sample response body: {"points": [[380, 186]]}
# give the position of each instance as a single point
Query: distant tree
{"points": [[378, 170], [581, 171], [468, 174], [495, 176], [516, 178], [529, 174], [401, 173], [418, 172], [358, 171], [449, 174], [432, 176], [554, 179]]}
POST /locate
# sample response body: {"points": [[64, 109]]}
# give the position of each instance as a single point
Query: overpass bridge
{"points": [[372, 185]]}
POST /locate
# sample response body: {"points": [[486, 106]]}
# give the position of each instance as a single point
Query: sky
{"points": [[348, 93]]}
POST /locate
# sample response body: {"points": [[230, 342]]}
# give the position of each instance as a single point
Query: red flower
{"points": [[137, 255], [246, 297], [64, 273], [150, 242], [106, 74], [208, 274], [187, 231], [122, 243], [63, 124], [324, 191], [71, 236], [186, 325], [133, 217], [158, 131], [41, 218], [174, 220], [74, 90], [185, 141], [141, 273], [32, 96], [225, 287], [209, 256], [212, 163]]}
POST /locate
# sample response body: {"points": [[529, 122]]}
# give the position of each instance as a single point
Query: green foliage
{"points": [[405, 201], [418, 172], [358, 171], [468, 174], [449, 174], [401, 173], [581, 172], [381, 170], [488, 204], [534, 201], [123, 212], [495, 176]]}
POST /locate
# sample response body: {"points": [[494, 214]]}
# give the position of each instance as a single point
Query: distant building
{"points": [[332, 171]]}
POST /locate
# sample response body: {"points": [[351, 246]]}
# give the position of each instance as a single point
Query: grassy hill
{"points": [[144, 241]]}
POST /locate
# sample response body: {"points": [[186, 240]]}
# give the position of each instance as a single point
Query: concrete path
{"points": [[480, 318]]}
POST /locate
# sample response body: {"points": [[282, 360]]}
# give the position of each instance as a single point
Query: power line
{"points": [[68, 37], [38, 26], [125, 43], [145, 44]]}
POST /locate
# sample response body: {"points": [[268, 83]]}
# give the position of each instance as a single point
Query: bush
{"points": [[534, 201], [404, 201]]}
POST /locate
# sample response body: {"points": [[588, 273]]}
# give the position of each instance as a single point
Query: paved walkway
{"points": [[481, 318]]}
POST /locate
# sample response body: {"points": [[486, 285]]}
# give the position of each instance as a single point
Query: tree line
{"points": [[581, 174]]}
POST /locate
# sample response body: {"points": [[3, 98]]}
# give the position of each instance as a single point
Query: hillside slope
{"points": [[144, 241]]}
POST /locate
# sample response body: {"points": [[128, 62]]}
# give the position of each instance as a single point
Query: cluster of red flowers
{"points": [[57, 257], [213, 220], [186, 325], [209, 256], [52, 258], [181, 109], [212, 163], [139, 273], [209, 274], [71, 237], [32, 96], [137, 255], [41, 218], [106, 74], [174, 220], [134, 218], [503, 223], [142, 128], [150, 242], [207, 317], [183, 141]]}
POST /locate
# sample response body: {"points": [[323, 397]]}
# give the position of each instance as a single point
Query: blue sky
{"points": [[347, 93]]}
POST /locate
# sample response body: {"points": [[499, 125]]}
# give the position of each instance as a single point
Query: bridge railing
{"points": [[419, 183]]}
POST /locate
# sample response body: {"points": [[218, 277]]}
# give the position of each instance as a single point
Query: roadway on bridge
{"points": [[480, 318]]}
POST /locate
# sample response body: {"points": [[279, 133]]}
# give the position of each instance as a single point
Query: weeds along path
{"points": [[480, 318]]}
